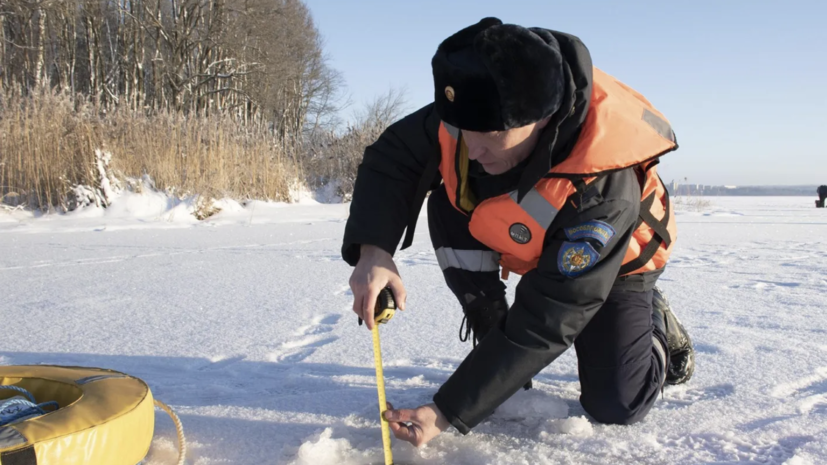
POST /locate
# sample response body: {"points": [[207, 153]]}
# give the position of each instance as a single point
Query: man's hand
{"points": [[416, 426], [375, 271]]}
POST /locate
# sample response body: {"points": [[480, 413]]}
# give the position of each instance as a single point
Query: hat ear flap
{"points": [[466, 36]]}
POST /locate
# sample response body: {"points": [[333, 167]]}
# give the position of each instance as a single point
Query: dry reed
{"points": [[48, 142]]}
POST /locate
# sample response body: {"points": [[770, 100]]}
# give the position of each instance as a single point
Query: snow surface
{"points": [[242, 323]]}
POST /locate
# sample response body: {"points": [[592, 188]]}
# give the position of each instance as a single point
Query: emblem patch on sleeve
{"points": [[576, 258], [597, 230]]}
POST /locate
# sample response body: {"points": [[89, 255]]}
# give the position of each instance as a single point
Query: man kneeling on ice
{"points": [[540, 165]]}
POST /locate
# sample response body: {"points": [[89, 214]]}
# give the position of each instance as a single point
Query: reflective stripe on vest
{"points": [[537, 207], [469, 260]]}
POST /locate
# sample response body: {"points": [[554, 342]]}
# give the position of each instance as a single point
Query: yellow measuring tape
{"points": [[380, 386], [385, 308]]}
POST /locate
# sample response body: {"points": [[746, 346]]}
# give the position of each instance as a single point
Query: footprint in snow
{"points": [[694, 261], [321, 324], [307, 340], [291, 356], [677, 397], [765, 285], [776, 284], [330, 319], [732, 448], [314, 329], [805, 384], [816, 404], [810, 392], [218, 363], [707, 348]]}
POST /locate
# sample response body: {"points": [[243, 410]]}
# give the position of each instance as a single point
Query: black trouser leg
{"points": [[471, 269], [621, 369]]}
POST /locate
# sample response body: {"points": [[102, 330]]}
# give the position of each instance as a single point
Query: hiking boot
{"points": [[681, 352]]}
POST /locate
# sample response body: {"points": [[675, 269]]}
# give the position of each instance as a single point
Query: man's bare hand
{"points": [[416, 426], [375, 271]]}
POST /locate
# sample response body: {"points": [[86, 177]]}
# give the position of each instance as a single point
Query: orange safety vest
{"points": [[622, 130]]}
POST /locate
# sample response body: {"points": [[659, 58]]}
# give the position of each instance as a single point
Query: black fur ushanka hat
{"points": [[493, 76]]}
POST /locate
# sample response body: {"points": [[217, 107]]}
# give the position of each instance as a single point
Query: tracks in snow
{"points": [[306, 340], [809, 391]]}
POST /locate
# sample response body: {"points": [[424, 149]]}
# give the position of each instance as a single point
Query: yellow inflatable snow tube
{"points": [[105, 417]]}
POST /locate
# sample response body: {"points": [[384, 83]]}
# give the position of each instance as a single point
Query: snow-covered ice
{"points": [[242, 323]]}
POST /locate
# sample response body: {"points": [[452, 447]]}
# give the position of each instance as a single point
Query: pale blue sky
{"points": [[743, 82]]}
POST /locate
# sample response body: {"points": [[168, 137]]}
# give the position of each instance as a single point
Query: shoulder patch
{"points": [[597, 230], [576, 258]]}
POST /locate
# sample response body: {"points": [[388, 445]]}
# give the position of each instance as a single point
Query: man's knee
{"points": [[612, 410], [621, 395]]}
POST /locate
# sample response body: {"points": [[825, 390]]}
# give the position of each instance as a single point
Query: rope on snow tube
{"points": [[31, 407], [182, 442]]}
